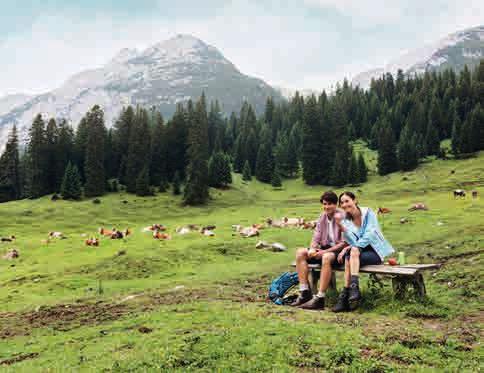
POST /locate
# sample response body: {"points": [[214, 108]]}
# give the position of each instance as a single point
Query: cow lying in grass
{"points": [[154, 227], [93, 241], [8, 239], [114, 233], [187, 229], [158, 235], [418, 206], [11, 254], [56, 235], [286, 222]]}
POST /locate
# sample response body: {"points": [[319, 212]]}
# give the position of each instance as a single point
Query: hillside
{"points": [[454, 51], [163, 75], [198, 303]]}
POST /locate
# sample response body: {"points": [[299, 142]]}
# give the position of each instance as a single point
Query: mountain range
{"points": [[456, 50], [162, 75]]}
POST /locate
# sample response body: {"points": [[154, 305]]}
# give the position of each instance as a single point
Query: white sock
{"points": [[321, 294], [303, 287]]}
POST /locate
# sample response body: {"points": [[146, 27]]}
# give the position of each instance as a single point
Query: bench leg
{"points": [[332, 283], [419, 286], [313, 278], [400, 285]]}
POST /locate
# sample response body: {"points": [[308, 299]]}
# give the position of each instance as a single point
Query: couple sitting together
{"points": [[349, 235]]}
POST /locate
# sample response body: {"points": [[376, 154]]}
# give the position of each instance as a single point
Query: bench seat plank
{"points": [[409, 270]]}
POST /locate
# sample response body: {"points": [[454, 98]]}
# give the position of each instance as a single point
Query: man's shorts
{"points": [[320, 260]]}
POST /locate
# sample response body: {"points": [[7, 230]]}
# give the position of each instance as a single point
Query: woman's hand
{"points": [[341, 255]]}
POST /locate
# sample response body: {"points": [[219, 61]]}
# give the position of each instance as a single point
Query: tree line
{"points": [[403, 118]]}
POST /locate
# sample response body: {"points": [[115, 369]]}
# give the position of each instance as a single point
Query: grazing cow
{"points": [[459, 193], [56, 235], [418, 206], [474, 194], [8, 239], [11, 254], [187, 229], [93, 241], [403, 220], [158, 235], [275, 246], [106, 232], [249, 232], [383, 210], [292, 222]]}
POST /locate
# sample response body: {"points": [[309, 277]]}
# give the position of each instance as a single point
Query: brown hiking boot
{"points": [[303, 297], [342, 305], [317, 303]]}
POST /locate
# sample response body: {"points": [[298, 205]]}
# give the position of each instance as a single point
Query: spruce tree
{"points": [[65, 152], [216, 170], [159, 152], [176, 184], [353, 170], [71, 183], [362, 169], [36, 147], [196, 187], [406, 154], [139, 148], [432, 140], [246, 173], [226, 170], [265, 164], [456, 134], [94, 160], [338, 176], [10, 182], [51, 154], [387, 158], [311, 143], [276, 179], [143, 183], [239, 153]]}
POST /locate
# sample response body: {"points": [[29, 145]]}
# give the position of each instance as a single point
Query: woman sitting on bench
{"points": [[366, 245]]}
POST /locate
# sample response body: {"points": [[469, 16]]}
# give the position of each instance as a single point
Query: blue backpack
{"points": [[280, 286]]}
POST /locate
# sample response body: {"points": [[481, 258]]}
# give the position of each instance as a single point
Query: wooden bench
{"points": [[402, 276]]}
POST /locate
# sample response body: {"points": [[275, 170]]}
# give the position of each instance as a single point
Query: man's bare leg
{"points": [[302, 265], [326, 272]]}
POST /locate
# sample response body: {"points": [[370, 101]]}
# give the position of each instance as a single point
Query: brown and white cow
{"points": [[418, 206], [459, 193]]}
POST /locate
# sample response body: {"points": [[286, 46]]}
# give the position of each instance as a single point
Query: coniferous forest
{"points": [[403, 118]]}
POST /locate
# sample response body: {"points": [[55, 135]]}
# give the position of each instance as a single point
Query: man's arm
{"points": [[337, 247]]}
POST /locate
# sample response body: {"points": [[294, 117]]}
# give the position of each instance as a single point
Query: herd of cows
{"points": [[159, 231]]}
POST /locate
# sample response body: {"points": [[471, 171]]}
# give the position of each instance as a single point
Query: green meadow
{"points": [[199, 303]]}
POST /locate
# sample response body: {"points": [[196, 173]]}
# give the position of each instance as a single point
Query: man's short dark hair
{"points": [[330, 197]]}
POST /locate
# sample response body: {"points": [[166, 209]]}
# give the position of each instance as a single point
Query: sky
{"points": [[299, 44]]}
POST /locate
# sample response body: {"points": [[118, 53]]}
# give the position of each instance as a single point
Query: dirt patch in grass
{"points": [[18, 358], [65, 317]]}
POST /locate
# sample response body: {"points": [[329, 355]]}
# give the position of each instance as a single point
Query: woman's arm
{"points": [[370, 226], [342, 253]]}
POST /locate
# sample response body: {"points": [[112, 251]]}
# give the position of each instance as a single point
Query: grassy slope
{"points": [[219, 319]]}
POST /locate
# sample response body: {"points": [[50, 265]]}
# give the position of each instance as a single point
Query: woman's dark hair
{"points": [[330, 197]]}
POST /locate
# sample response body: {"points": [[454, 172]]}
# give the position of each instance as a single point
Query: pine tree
{"points": [[215, 170], [159, 151], [143, 183], [80, 143], [123, 128], [71, 183], [362, 169], [456, 134], [265, 164], [311, 143], [406, 154], [276, 179], [64, 149], [387, 158], [10, 182], [353, 170], [94, 160], [338, 176], [432, 140], [196, 187], [51, 154], [176, 184], [246, 173], [37, 181], [239, 153], [226, 171], [138, 149]]}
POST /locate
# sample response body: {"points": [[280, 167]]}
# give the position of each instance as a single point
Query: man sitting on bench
{"points": [[325, 245]]}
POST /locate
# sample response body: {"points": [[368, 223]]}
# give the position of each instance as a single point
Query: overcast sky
{"points": [[294, 44]]}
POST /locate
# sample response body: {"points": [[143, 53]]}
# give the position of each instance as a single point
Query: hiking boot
{"points": [[342, 305], [354, 296], [303, 297], [317, 303]]}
